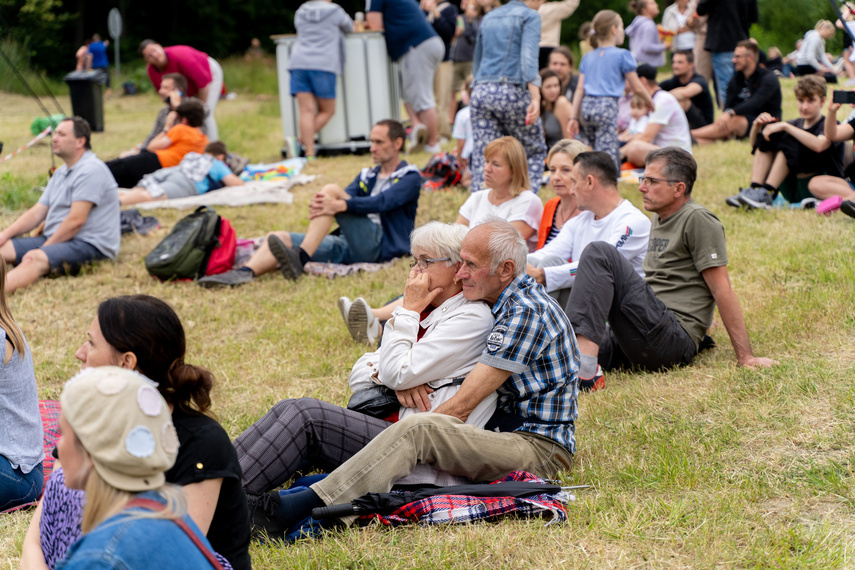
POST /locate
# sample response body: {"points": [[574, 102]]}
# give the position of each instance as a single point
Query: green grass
{"points": [[704, 466]]}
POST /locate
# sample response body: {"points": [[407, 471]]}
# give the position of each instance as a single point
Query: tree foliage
{"points": [[52, 30]]}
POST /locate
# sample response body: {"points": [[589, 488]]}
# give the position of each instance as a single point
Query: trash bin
{"points": [[87, 100]]}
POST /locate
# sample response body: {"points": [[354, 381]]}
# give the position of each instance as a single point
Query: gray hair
{"points": [[441, 240], [506, 243]]}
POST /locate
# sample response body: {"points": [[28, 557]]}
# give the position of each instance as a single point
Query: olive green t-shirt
{"points": [[680, 248]]}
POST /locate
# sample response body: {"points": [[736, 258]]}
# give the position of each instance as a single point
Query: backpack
{"points": [[441, 171], [187, 252]]}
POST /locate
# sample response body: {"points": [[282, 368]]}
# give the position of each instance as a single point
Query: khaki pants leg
{"points": [[446, 443]]}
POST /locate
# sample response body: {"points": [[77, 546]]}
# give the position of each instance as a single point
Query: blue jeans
{"points": [[18, 488], [722, 62], [359, 241]]}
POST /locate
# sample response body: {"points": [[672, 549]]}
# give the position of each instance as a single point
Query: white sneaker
{"points": [[344, 307], [433, 148], [361, 324], [417, 138]]}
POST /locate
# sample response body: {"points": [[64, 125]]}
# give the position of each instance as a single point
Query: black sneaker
{"points": [[233, 278], [288, 258], [264, 516], [848, 208]]}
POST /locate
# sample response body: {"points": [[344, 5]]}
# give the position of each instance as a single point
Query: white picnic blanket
{"points": [[252, 192]]}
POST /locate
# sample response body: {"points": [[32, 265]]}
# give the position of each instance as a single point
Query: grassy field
{"points": [[706, 466]]}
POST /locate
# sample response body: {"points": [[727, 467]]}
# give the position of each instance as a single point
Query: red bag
{"points": [[222, 257]]}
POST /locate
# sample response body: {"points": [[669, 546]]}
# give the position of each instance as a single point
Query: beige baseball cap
{"points": [[124, 424]]}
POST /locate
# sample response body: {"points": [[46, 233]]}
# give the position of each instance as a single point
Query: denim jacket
{"points": [[125, 541], [507, 47]]}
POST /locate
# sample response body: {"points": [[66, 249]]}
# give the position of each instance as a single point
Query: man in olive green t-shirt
{"points": [[659, 321]]}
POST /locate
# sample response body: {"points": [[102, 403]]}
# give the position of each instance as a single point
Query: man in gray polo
{"points": [[80, 208]]}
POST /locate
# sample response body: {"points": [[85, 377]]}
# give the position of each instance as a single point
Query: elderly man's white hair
{"points": [[441, 240], [506, 243]]}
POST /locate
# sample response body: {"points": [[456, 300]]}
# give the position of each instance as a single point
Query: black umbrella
{"points": [[385, 503]]}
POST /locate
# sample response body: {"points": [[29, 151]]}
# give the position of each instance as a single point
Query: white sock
{"points": [[588, 367]]}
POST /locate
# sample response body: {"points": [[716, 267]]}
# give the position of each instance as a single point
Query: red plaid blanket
{"points": [[462, 509]]}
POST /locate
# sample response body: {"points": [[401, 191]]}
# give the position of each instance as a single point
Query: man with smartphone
{"points": [[173, 86], [752, 90], [788, 154]]}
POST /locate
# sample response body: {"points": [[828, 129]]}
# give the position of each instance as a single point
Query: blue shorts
{"points": [[320, 83], [359, 241], [68, 255]]}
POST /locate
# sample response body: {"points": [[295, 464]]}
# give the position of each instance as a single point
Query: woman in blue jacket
{"points": [[506, 93]]}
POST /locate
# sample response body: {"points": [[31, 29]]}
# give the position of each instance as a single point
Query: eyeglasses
{"points": [[649, 180], [738, 56], [424, 263]]}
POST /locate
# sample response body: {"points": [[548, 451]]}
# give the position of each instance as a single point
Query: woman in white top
{"points": [[811, 58], [674, 20], [507, 196], [506, 175]]}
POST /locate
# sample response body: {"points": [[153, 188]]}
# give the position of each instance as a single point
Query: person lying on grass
{"points": [[432, 341], [168, 148], [195, 174], [788, 155], [530, 358]]}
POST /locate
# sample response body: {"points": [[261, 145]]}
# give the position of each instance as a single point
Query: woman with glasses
{"points": [[432, 341], [507, 197]]}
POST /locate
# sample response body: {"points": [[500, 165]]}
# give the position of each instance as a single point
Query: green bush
{"points": [[20, 64], [254, 76]]}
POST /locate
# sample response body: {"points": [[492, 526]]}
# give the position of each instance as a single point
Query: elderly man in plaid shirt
{"points": [[530, 357]]}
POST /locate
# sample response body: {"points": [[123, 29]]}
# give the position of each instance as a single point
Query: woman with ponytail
{"points": [[143, 333]]}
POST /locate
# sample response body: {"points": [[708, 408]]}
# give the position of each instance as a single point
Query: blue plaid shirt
{"points": [[533, 339]]}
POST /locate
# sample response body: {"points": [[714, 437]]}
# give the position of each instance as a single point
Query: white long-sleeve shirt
{"points": [[454, 338], [812, 51], [625, 227]]}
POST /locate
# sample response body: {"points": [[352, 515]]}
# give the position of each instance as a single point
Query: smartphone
{"points": [[844, 97]]}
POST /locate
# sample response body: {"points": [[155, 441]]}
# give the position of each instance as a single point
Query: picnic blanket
{"points": [[247, 246], [440, 509], [252, 192]]}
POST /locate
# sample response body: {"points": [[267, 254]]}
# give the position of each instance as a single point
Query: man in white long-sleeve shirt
{"points": [[606, 217]]}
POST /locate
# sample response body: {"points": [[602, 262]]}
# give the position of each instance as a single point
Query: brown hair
{"points": [[81, 129], [149, 328], [637, 102], [811, 85], [638, 5], [565, 51], [750, 46], [193, 110], [513, 152], [602, 23], [600, 165], [395, 128], [179, 80], [216, 148], [687, 53]]}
